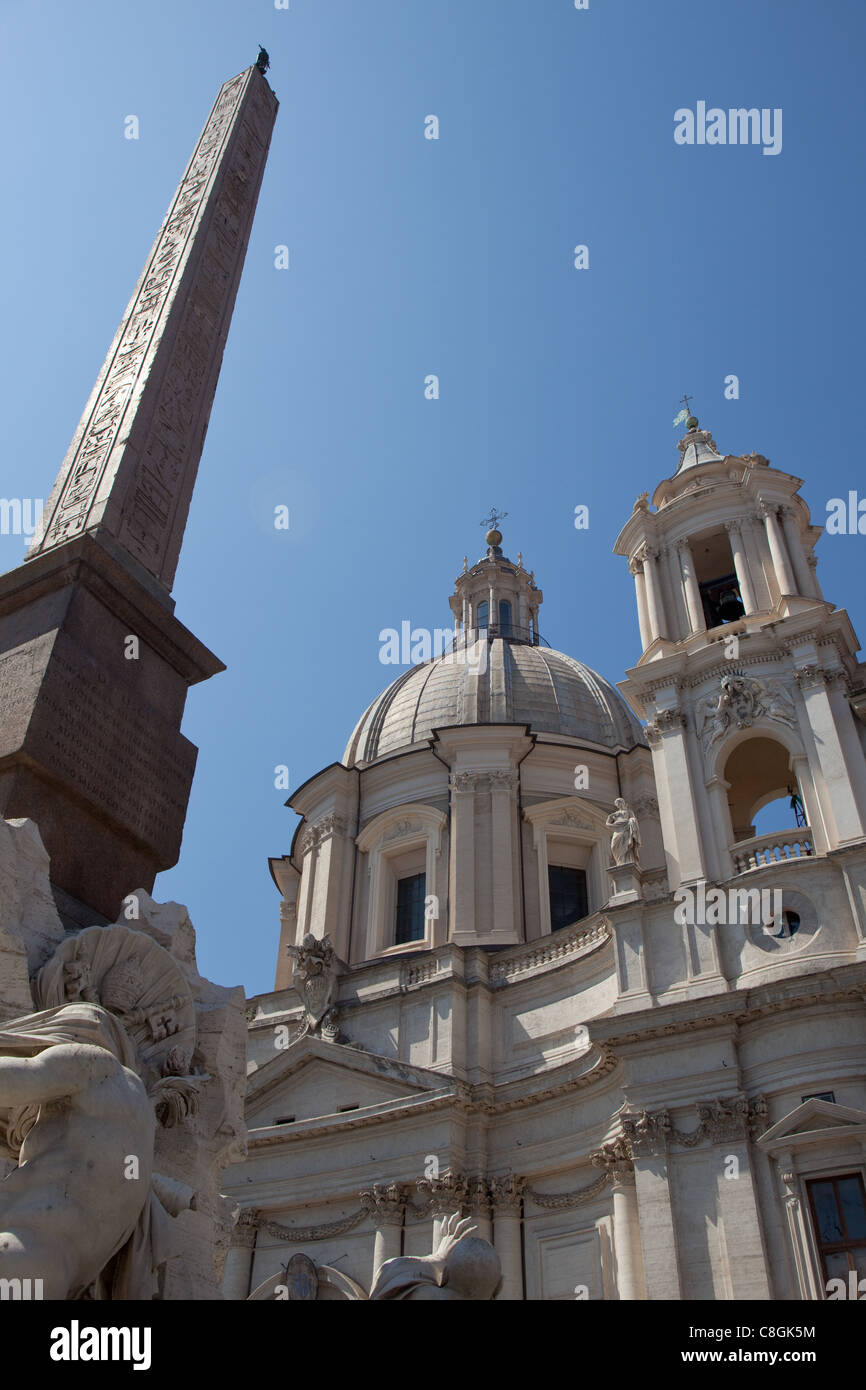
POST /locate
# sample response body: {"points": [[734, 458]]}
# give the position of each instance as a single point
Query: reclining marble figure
{"points": [[84, 1083]]}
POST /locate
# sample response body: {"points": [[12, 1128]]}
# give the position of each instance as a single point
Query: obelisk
{"points": [[94, 667]]}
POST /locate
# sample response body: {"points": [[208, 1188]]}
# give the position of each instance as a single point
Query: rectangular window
{"points": [[411, 894], [568, 900], [839, 1215]]}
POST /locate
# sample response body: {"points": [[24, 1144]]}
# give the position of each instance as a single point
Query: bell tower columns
{"points": [[746, 684]]}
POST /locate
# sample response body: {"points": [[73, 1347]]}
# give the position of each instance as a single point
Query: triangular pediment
{"points": [[814, 1117], [314, 1078]]}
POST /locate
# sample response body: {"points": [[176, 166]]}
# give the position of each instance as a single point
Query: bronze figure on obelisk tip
{"points": [[90, 742]]}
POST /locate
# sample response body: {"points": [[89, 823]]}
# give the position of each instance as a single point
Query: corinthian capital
{"points": [[507, 1192], [616, 1159], [445, 1194], [463, 781], [385, 1203], [646, 1133]]}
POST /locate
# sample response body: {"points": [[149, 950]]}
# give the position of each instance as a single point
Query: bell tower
{"points": [[746, 673]]}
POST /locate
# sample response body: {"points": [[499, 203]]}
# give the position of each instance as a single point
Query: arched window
{"points": [[504, 618], [483, 616]]}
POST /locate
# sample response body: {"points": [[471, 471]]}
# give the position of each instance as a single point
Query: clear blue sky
{"points": [[454, 257]]}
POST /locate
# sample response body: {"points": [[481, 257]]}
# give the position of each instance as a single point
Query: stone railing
{"points": [[777, 848], [569, 943]]}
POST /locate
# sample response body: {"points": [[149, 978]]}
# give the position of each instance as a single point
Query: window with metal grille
{"points": [[411, 893], [568, 900]]}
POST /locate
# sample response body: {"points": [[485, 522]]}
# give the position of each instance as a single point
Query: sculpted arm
{"points": [[58, 1071]]}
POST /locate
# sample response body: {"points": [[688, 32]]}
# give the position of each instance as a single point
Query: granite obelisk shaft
{"points": [[94, 666], [132, 464]]}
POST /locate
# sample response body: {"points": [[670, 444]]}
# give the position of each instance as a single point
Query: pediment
{"points": [[314, 1078], [810, 1120]]}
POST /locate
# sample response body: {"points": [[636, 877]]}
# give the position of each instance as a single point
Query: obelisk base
{"points": [[94, 670]]}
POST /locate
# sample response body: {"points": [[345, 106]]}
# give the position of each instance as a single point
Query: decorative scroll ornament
{"points": [[740, 702]]}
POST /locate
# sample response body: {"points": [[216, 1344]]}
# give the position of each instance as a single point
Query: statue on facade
{"points": [[463, 1267], [625, 840], [84, 1083]]}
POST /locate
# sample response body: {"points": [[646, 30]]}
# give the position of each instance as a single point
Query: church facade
{"points": [[538, 967]]}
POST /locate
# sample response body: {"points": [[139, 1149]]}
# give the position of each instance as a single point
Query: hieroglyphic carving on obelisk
{"points": [[131, 467]]}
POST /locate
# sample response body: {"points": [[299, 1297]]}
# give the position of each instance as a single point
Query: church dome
{"points": [[514, 682]]}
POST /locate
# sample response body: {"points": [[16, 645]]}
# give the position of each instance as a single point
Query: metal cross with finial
{"points": [[491, 520], [686, 402]]}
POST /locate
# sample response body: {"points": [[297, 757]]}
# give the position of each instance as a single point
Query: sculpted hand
{"points": [[452, 1231]]}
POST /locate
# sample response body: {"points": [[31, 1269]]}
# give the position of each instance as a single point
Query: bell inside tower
{"points": [[717, 578]]}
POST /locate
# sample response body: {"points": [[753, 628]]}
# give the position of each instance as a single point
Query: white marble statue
{"points": [[463, 1267], [625, 840], [83, 1085]]}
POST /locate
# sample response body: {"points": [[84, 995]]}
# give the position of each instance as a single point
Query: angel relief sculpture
{"points": [[739, 702], [84, 1083]]}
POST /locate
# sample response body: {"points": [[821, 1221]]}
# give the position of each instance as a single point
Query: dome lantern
{"points": [[495, 596]]}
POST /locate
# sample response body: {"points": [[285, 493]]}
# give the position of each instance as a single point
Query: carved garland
{"points": [[299, 1234]]}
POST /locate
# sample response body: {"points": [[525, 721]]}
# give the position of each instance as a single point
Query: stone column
{"points": [[655, 603], [726, 1124], [843, 805], [796, 551], [646, 1135], [502, 784], [809, 1286], [776, 541], [802, 774], [691, 587], [616, 1158], [386, 1206], [636, 569], [507, 1197], [539, 834], [677, 610], [666, 736], [238, 1269], [815, 585], [445, 1196], [461, 889], [741, 566], [479, 1209], [717, 794]]}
